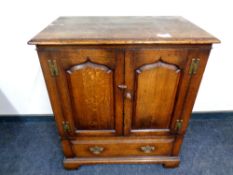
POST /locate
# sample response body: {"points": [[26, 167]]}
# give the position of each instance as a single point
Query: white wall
{"points": [[22, 88]]}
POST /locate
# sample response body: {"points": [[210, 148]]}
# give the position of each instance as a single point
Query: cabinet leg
{"points": [[171, 164], [71, 165]]}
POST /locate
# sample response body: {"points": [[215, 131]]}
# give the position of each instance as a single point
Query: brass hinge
{"points": [[178, 125], [66, 126], [53, 67], [194, 66]]}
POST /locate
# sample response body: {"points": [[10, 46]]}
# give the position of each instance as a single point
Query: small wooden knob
{"points": [[128, 95]]}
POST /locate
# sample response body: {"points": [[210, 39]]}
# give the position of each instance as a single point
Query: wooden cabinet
{"points": [[122, 88]]}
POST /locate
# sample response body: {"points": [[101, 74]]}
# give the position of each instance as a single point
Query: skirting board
{"points": [[216, 115]]}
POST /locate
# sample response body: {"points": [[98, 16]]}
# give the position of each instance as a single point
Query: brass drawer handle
{"points": [[96, 149], [147, 149]]}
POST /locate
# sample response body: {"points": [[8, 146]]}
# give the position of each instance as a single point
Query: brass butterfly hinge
{"points": [[53, 67], [178, 125], [66, 126], [194, 66]]}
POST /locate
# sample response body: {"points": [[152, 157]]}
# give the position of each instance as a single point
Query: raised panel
{"points": [[155, 91], [90, 100], [92, 95], [157, 80]]}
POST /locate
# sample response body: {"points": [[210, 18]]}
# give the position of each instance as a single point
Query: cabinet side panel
{"points": [[55, 101], [194, 84], [52, 90]]}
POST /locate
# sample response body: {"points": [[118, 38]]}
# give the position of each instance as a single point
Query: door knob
{"points": [[128, 95]]}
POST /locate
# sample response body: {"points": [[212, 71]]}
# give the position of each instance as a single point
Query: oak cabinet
{"points": [[121, 88]]}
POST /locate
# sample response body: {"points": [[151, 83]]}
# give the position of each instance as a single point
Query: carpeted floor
{"points": [[32, 148]]}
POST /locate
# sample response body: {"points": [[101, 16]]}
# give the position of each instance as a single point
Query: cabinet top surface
{"points": [[122, 30]]}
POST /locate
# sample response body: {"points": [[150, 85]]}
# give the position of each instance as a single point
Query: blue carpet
{"points": [[32, 148]]}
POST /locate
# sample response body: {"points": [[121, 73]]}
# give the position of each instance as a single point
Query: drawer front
{"points": [[142, 147]]}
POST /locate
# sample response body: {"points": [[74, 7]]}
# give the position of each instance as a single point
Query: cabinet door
{"points": [[86, 83], [156, 82]]}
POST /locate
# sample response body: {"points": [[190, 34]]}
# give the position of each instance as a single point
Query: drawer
{"points": [[122, 147]]}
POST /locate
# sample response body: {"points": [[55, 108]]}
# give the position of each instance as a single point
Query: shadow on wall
{"points": [[5, 105]]}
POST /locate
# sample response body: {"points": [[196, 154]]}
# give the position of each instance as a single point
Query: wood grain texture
{"points": [[67, 148], [150, 58], [194, 84], [91, 87], [92, 103], [122, 30], [53, 92], [155, 77], [171, 164], [157, 84], [129, 147], [74, 163]]}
